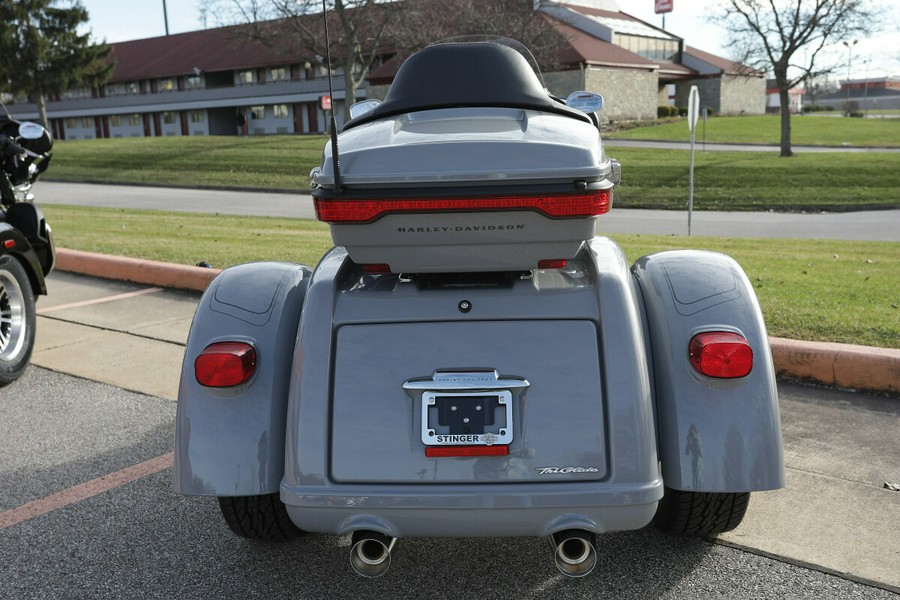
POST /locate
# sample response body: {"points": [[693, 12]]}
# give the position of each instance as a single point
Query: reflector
{"points": [[449, 451], [564, 206], [721, 354], [555, 263], [225, 364], [377, 268]]}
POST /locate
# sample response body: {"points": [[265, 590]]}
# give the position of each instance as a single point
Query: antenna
{"points": [[334, 142]]}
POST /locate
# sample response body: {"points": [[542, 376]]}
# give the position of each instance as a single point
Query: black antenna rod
{"points": [[334, 146]]}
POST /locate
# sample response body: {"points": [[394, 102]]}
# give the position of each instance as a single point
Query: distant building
{"points": [[217, 82], [773, 98], [860, 95]]}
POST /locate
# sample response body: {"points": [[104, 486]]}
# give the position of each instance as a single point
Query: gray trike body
{"points": [[438, 397]]}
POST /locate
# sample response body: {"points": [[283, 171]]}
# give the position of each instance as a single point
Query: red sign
{"points": [[326, 102], [664, 6]]}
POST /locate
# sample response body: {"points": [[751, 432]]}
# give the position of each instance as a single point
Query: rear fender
{"points": [[14, 243], [230, 441], [715, 435]]}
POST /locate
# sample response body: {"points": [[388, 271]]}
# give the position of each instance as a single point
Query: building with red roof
{"points": [[220, 82]]}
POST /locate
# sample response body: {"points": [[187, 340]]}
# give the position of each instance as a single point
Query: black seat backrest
{"points": [[457, 75]]}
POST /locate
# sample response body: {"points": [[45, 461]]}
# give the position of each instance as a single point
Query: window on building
{"points": [[257, 112], [279, 74], [134, 119], [245, 76], [198, 116], [166, 85], [116, 89], [281, 111], [193, 82], [75, 93], [115, 121], [168, 118], [70, 123], [87, 122], [133, 87]]}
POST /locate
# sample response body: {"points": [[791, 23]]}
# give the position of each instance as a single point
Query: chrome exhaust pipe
{"points": [[575, 552], [370, 553]]}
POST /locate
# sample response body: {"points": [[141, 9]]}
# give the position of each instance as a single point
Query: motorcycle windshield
{"points": [[467, 72]]}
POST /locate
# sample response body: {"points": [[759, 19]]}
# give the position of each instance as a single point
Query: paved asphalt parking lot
{"points": [[87, 508]]}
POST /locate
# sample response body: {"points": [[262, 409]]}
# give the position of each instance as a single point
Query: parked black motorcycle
{"points": [[27, 254]]}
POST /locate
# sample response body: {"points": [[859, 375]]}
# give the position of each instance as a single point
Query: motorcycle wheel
{"points": [[700, 513], [262, 518], [17, 320]]}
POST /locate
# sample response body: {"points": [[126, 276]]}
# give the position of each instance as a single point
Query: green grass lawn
{"points": [[650, 178], [806, 130], [808, 289]]}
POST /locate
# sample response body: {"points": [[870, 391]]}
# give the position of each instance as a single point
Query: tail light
{"points": [[225, 364], [553, 263], [721, 354], [565, 206]]}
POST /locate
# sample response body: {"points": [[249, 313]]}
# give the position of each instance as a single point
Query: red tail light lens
{"points": [[566, 206], [721, 354], [225, 364], [451, 451], [376, 268], [558, 263]]}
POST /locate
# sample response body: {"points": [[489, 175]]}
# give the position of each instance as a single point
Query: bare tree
{"points": [[785, 37], [357, 28], [427, 21]]}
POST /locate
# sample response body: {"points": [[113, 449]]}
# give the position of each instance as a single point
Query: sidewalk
{"points": [[841, 365]]}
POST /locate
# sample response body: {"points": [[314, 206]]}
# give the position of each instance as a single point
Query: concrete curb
{"points": [[150, 272], [841, 365]]}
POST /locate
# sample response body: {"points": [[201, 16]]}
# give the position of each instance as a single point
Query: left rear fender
{"points": [[230, 441]]}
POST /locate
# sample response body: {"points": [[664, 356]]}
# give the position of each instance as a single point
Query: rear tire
{"points": [[263, 518], [700, 513], [17, 319]]}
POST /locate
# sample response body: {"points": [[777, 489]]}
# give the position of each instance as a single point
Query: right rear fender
{"points": [[230, 441]]}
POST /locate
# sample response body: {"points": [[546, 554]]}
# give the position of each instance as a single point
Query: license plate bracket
{"points": [[467, 418]]}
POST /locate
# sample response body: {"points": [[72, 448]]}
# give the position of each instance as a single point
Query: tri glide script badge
{"points": [[565, 470]]}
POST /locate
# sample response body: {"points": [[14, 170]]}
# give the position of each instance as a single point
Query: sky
{"points": [[121, 20]]}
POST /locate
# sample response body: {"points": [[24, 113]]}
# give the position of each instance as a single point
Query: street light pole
{"points": [[849, 64]]}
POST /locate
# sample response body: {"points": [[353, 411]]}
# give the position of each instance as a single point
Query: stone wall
{"points": [[628, 94], [743, 95], [728, 95]]}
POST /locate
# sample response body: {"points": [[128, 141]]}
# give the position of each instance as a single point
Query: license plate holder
{"points": [[467, 418]]}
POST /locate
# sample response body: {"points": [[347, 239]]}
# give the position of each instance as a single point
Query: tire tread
{"points": [[263, 518], [700, 513]]}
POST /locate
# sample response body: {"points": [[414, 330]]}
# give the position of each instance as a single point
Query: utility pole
{"points": [[166, 17], [849, 64]]}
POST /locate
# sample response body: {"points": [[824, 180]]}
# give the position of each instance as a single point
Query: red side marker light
{"points": [[721, 354], [225, 364], [377, 268], [558, 263], [9, 243], [450, 451]]}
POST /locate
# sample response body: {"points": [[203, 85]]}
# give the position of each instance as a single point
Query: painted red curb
{"points": [[150, 272], [841, 365]]}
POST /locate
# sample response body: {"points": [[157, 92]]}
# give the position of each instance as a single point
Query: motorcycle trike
{"points": [[471, 358]]}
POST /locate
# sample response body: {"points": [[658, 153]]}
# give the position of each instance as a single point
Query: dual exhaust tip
{"points": [[574, 551], [370, 553]]}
